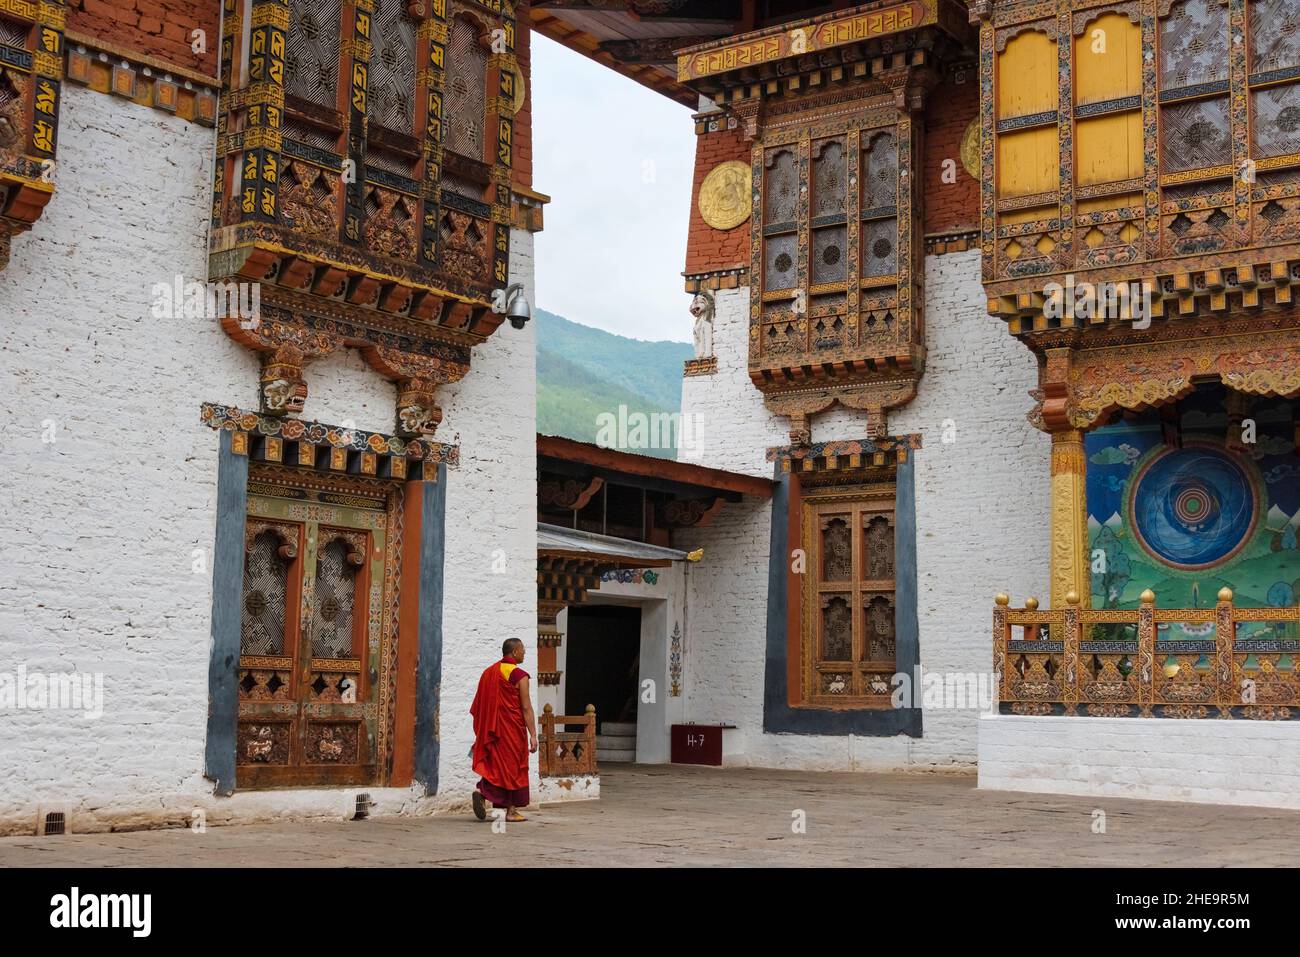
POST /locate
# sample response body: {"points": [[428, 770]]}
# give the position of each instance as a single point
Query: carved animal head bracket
{"points": [[285, 350], [283, 388], [703, 306], [418, 412], [418, 378]]}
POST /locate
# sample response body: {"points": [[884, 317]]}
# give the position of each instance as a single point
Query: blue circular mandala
{"points": [[1193, 507]]}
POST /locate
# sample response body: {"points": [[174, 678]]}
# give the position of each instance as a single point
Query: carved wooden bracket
{"points": [[688, 513], [285, 350], [418, 378], [749, 113], [910, 87], [355, 541], [568, 493], [1054, 378], [284, 531], [547, 612], [876, 398]]}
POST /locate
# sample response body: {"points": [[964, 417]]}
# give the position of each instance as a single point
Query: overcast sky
{"points": [[616, 158]]}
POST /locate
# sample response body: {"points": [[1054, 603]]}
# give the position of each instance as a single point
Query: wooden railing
{"points": [[1111, 662], [564, 753]]}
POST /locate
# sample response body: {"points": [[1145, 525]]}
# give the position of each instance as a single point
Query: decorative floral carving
{"points": [[464, 246], [390, 225], [309, 199]]}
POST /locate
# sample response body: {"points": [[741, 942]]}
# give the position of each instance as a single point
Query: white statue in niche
{"points": [[702, 309]]}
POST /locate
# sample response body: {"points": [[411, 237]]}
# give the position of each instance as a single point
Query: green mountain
{"points": [[583, 373]]}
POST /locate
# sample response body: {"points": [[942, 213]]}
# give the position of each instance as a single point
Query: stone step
{"points": [[615, 755], [616, 742], [618, 727]]}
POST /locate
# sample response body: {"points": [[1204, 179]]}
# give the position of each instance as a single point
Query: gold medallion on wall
{"points": [[725, 195], [970, 149], [517, 103]]}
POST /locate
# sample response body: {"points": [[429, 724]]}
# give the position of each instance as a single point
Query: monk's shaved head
{"points": [[510, 646]]}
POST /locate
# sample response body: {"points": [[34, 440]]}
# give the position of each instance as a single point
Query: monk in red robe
{"points": [[505, 733]]}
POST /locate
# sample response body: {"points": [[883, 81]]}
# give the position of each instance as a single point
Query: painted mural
{"points": [[1188, 503]]}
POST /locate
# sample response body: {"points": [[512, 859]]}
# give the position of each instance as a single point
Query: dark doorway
{"points": [[602, 661]]}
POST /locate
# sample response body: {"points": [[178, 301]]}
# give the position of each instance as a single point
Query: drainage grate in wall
{"points": [[363, 807], [54, 823]]}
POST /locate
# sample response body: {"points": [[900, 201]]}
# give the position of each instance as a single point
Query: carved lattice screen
{"points": [[392, 67], [880, 205], [311, 56], [1194, 61], [262, 623], [1275, 54], [335, 598], [466, 89]]}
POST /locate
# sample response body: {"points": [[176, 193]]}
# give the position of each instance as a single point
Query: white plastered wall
{"points": [[109, 527], [982, 520]]}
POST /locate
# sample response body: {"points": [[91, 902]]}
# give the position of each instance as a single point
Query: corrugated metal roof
{"points": [[559, 539]]}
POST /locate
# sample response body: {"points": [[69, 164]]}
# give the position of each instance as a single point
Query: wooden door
{"points": [[849, 640], [309, 642]]}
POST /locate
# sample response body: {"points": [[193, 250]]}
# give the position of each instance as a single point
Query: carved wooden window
{"points": [[1274, 72], [312, 114], [879, 205], [781, 193], [1027, 117], [828, 254], [1196, 131], [1108, 101], [818, 185], [849, 638], [466, 97]]}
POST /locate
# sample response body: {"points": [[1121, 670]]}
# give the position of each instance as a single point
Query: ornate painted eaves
{"points": [[365, 152], [1148, 144], [835, 108], [31, 73], [1140, 171]]}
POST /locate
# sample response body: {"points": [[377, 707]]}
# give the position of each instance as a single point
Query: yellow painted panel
{"points": [[1027, 162], [1085, 206], [1108, 59], [1108, 148], [1028, 76], [1030, 215]]}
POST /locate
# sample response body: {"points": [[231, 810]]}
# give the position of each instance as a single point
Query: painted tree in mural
{"points": [[1110, 575], [1110, 567], [1280, 595]]}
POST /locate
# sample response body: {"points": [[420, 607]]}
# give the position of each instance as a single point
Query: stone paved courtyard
{"points": [[658, 815]]}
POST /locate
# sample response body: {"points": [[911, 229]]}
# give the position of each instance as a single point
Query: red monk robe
{"points": [[501, 735]]}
